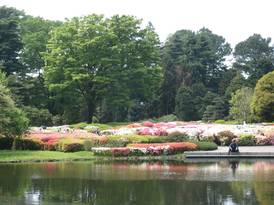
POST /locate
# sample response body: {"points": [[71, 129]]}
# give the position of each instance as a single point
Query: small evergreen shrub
{"points": [[246, 140], [204, 145], [26, 144], [6, 143], [177, 137], [73, 147]]}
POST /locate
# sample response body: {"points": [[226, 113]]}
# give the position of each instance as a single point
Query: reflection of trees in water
{"points": [[264, 190], [142, 192], [99, 191], [14, 180], [118, 184]]}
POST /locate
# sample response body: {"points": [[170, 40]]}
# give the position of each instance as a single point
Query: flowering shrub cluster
{"points": [[154, 149]]}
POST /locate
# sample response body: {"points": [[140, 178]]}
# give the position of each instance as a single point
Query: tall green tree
{"points": [[110, 61], [192, 57], [184, 108], [13, 121], [263, 99], [10, 39], [254, 57], [240, 105], [215, 110]]}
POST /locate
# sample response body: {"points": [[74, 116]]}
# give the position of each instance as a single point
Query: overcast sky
{"points": [[235, 20]]}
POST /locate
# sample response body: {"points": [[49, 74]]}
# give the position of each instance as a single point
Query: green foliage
{"points": [[79, 61], [123, 140], [82, 125], [26, 144], [176, 137], [38, 117], [246, 140], [70, 145], [227, 122], [214, 111], [240, 104], [237, 82], [6, 143], [10, 42], [255, 57], [205, 146], [184, 108], [192, 57], [12, 120], [263, 100], [167, 118]]}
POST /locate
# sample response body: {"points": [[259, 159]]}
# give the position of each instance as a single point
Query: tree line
{"points": [[99, 69]]}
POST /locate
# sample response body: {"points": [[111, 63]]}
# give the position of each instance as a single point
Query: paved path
{"points": [[245, 152]]}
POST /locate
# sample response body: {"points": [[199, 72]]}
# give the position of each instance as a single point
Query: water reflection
{"points": [[123, 183], [234, 165]]}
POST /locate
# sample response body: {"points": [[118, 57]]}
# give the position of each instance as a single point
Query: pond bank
{"points": [[7, 156]]}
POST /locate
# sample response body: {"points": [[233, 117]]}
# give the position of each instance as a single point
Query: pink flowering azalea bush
{"points": [[154, 149]]}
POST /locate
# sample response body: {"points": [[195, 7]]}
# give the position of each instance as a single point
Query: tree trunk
{"points": [[91, 110]]}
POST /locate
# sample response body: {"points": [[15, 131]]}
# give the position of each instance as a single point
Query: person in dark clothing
{"points": [[233, 147]]}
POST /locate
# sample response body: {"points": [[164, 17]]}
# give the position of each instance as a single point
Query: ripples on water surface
{"points": [[122, 183]]}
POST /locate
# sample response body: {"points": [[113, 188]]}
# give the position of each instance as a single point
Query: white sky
{"points": [[235, 20]]}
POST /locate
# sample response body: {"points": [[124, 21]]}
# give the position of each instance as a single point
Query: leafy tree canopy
{"points": [[254, 57], [263, 100]]}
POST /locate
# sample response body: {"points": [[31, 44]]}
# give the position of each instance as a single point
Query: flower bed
{"points": [[154, 149]]}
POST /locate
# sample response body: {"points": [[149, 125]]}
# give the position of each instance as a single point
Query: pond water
{"points": [[145, 183]]}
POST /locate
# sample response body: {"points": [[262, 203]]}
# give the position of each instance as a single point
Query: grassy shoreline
{"points": [[9, 156]]}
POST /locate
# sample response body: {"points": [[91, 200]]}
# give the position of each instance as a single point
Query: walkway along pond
{"points": [[245, 152]]}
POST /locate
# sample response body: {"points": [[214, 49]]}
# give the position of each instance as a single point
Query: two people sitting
{"points": [[233, 147]]}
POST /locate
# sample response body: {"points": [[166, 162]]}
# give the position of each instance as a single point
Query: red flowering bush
{"points": [[148, 124], [120, 151]]}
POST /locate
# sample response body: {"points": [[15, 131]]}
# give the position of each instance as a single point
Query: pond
{"points": [[144, 183]]}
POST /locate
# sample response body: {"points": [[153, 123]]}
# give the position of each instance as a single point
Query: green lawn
{"points": [[34, 156], [8, 156]]}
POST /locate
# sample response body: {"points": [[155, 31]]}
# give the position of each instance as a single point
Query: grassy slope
{"points": [[21, 156]]}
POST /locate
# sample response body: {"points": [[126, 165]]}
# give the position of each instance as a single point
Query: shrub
{"points": [[177, 137], [27, 144], [148, 124], [204, 145], [70, 145], [95, 142], [6, 143], [264, 141], [80, 125], [224, 138], [13, 121], [246, 140], [73, 147], [168, 148], [88, 144], [123, 140], [120, 151], [146, 149]]}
